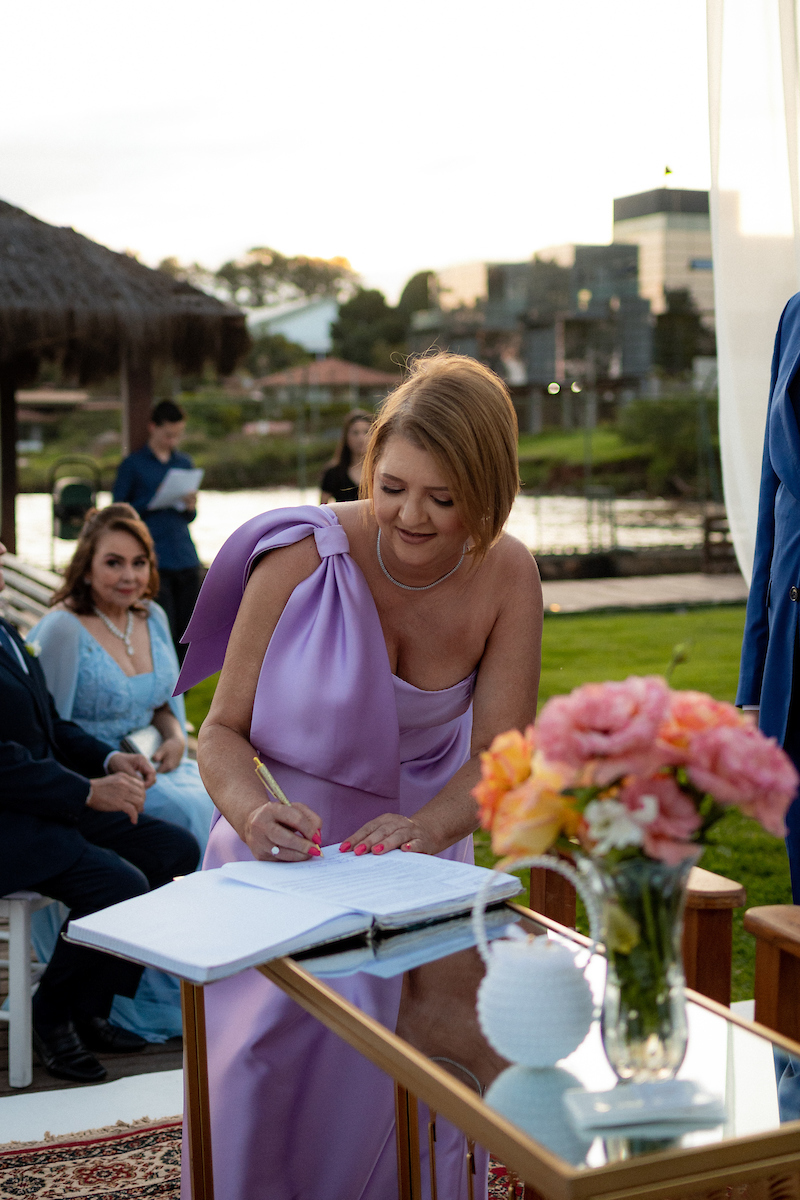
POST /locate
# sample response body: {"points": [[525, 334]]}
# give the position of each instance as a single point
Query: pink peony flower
{"points": [[741, 766], [666, 836], [614, 722]]}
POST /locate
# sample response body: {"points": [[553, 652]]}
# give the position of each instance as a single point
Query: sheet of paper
{"points": [[176, 484], [207, 926], [392, 885]]}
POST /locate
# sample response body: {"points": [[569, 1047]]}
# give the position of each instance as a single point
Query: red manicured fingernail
{"points": [[377, 849], [314, 852], [317, 838], [406, 847], [345, 846], [360, 848]]}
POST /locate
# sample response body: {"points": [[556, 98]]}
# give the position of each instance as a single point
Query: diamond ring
{"points": [[275, 851]]}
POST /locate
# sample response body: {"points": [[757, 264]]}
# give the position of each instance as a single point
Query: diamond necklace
{"points": [[111, 627], [408, 587]]}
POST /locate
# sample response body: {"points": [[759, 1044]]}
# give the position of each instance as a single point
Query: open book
{"points": [[213, 924]]}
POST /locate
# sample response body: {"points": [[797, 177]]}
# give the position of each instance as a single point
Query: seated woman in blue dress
{"points": [[110, 664]]}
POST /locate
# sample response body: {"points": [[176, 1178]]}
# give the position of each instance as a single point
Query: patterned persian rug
{"points": [[501, 1185], [140, 1162], [137, 1162]]}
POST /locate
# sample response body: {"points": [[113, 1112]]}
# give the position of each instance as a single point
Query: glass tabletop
{"points": [[736, 1064]]}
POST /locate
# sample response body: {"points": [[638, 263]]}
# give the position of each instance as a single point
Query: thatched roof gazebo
{"points": [[68, 300]]}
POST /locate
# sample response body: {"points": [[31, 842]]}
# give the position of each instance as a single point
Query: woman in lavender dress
{"points": [[371, 651]]}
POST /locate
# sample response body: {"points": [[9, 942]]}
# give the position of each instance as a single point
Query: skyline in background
{"points": [[456, 135]]}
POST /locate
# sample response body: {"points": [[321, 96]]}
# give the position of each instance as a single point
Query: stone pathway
{"points": [[643, 591]]}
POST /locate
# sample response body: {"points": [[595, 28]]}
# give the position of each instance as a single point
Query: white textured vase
{"points": [[534, 1004]]}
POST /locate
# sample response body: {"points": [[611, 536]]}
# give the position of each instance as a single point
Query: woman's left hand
{"points": [[168, 754], [391, 831]]}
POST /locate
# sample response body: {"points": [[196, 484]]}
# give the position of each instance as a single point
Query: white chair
{"points": [[23, 975]]}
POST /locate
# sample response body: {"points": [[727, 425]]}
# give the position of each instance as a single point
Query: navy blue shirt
{"points": [[138, 479]]}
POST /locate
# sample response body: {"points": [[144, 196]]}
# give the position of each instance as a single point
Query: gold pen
{"points": [[273, 787]]}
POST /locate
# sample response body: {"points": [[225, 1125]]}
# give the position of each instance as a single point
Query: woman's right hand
{"points": [[293, 828]]}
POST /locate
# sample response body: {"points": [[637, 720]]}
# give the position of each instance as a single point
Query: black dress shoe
{"points": [[101, 1036], [64, 1055]]}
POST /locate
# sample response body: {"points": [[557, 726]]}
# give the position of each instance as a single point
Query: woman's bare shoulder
{"points": [[355, 519], [513, 558], [284, 568]]}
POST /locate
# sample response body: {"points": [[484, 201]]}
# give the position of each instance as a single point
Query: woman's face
{"points": [[414, 509], [119, 571], [357, 437]]}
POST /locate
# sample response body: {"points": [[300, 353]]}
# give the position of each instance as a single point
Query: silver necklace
{"points": [[408, 587], [111, 627]]}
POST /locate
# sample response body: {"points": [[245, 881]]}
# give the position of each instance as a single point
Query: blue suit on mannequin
{"points": [[769, 676]]}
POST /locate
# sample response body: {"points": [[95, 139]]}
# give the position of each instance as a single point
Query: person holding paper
{"points": [[139, 478], [371, 651]]}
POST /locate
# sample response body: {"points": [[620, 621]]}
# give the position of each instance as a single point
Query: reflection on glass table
{"points": [[726, 1059]]}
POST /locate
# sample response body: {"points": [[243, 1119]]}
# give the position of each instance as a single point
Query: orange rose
{"points": [[530, 818], [505, 765], [691, 713]]}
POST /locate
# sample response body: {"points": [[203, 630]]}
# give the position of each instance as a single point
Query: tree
{"points": [[264, 276], [680, 335], [369, 331], [416, 295], [273, 352], [193, 273]]}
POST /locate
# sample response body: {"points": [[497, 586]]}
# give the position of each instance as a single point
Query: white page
{"points": [[206, 926], [177, 483], [394, 887]]}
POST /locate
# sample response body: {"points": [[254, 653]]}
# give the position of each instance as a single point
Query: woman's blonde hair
{"points": [[460, 412], [121, 517]]}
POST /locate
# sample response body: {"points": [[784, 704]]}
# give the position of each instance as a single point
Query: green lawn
{"points": [[580, 648], [607, 446]]}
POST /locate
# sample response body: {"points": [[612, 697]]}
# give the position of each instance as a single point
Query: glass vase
{"points": [[644, 1006]]}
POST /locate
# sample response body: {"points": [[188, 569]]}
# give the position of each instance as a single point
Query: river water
{"points": [[546, 524]]}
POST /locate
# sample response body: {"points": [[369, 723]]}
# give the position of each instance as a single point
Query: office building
{"points": [[672, 229]]}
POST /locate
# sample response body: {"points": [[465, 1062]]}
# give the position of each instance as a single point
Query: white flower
{"points": [[613, 826], [34, 648]]}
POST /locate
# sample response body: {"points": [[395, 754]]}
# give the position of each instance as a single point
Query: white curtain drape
{"points": [[755, 227]]}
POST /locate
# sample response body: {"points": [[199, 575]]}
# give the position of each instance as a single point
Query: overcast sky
{"points": [[400, 135]]}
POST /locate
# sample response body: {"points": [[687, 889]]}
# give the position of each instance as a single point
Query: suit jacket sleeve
{"points": [[756, 626], [40, 787], [54, 787]]}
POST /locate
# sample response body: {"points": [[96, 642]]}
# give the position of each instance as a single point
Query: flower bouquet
{"points": [[628, 778]]}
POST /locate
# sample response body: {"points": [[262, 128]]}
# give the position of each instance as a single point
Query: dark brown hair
{"points": [[116, 517], [461, 413], [344, 455]]}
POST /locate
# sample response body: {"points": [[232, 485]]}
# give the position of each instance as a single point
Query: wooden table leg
{"points": [[409, 1174], [553, 896], [195, 1071]]}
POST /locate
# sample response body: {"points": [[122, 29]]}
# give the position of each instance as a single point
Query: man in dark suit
{"points": [[72, 827]]}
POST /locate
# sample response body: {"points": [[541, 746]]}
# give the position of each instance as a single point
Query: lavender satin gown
{"points": [[297, 1114]]}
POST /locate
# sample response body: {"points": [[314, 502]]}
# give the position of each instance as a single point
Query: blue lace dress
{"points": [[89, 687]]}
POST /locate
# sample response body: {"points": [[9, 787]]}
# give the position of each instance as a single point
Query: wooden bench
{"points": [[27, 594], [776, 928], [707, 927]]}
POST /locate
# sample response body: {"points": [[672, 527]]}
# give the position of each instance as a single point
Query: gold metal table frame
{"points": [[769, 1162]]}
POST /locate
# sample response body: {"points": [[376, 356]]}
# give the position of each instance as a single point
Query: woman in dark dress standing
{"points": [[341, 480]]}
